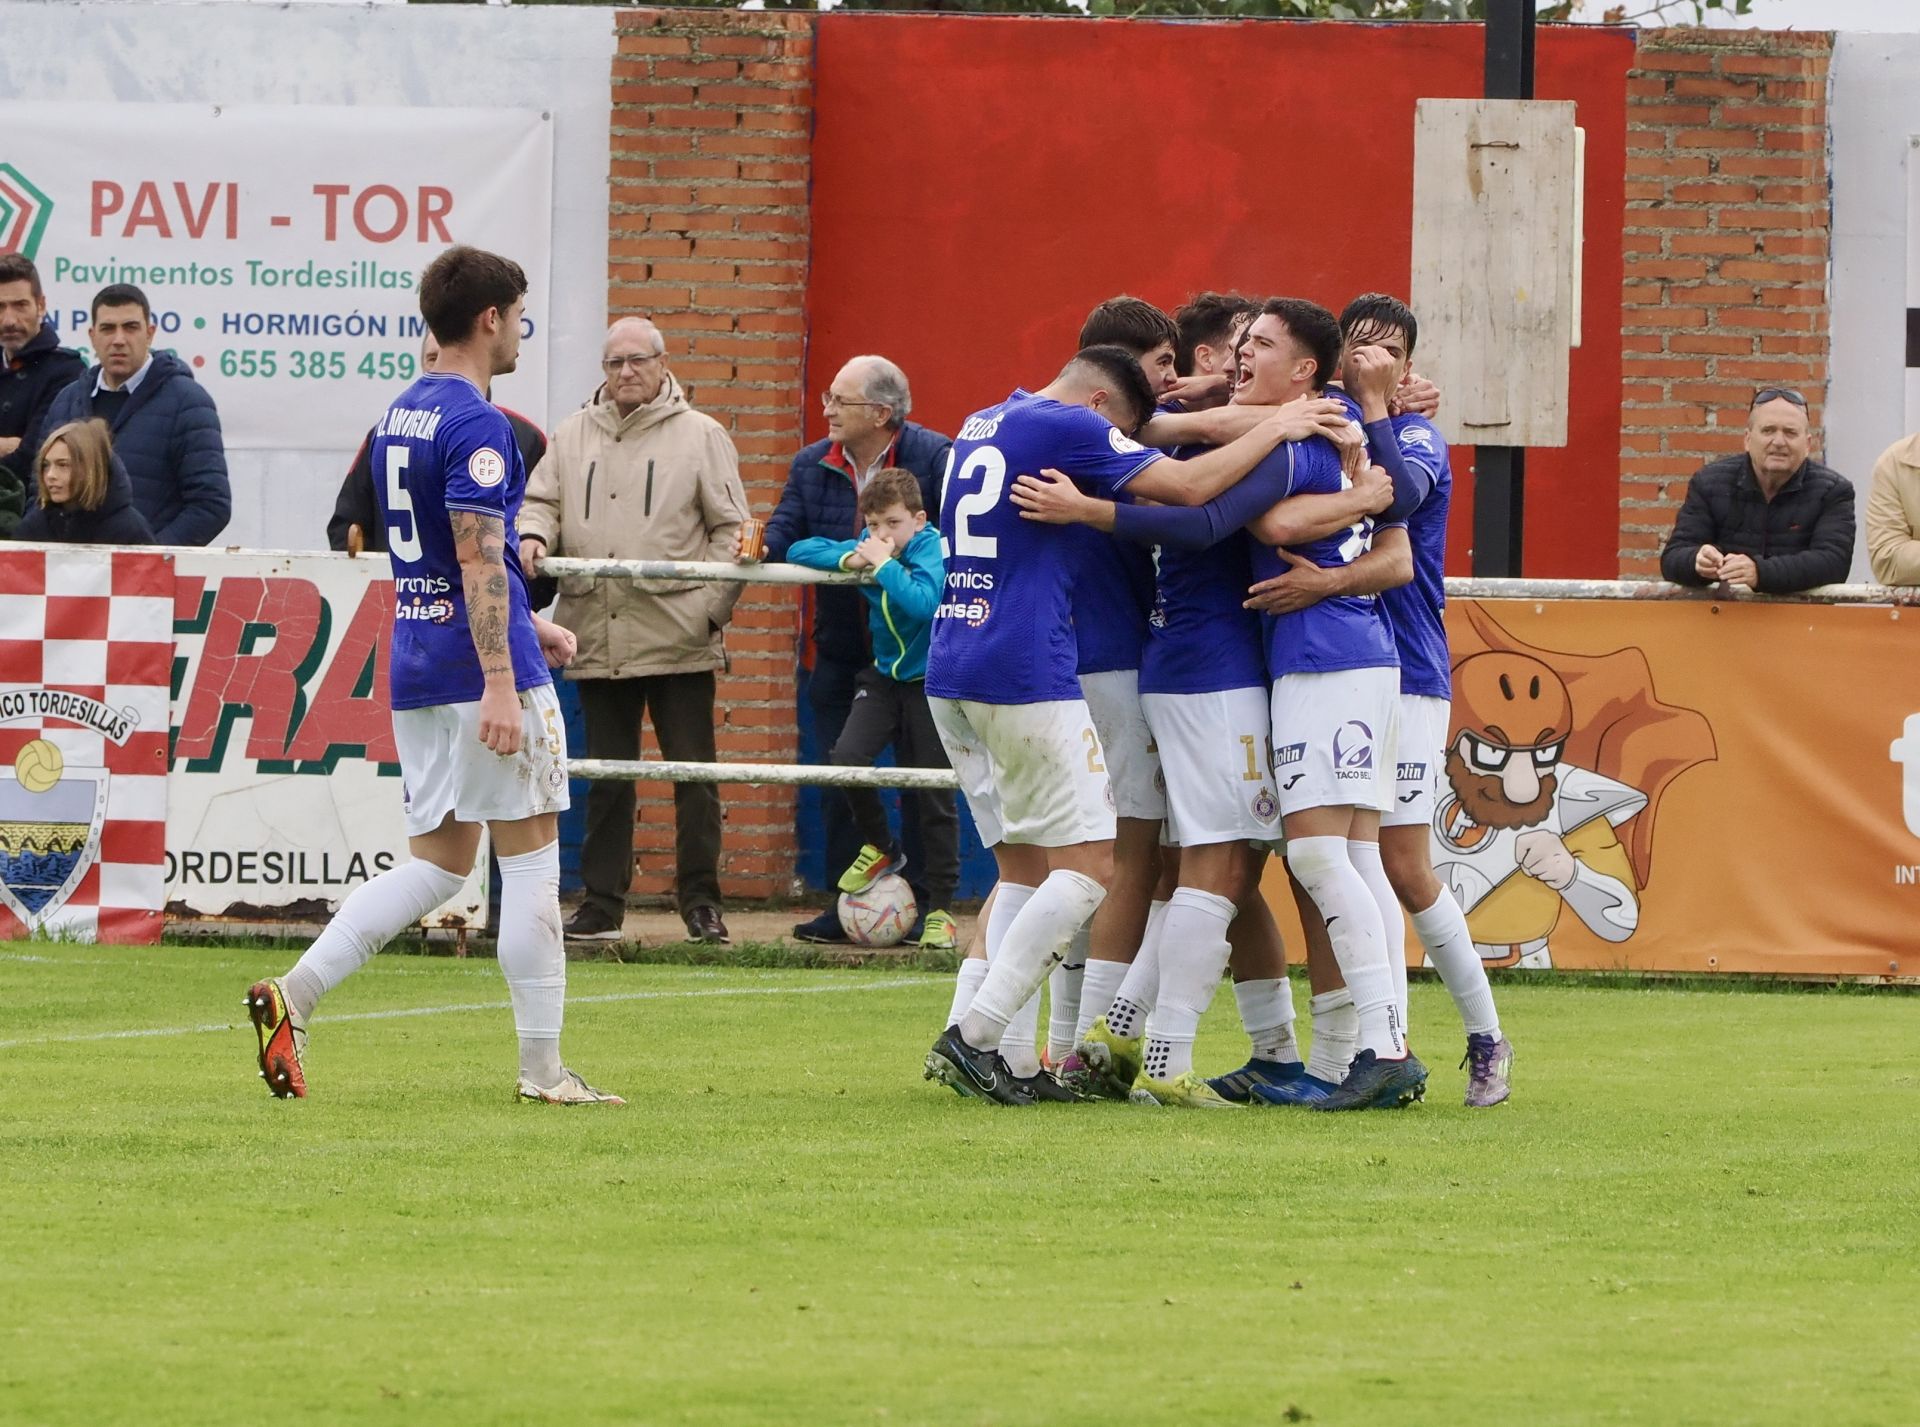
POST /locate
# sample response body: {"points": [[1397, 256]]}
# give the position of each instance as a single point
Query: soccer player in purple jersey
{"points": [[475, 718], [1379, 333], [1001, 676], [1335, 706]]}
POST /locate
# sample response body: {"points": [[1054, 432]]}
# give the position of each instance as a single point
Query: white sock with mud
{"points": [[533, 958], [1195, 937], [373, 914], [1266, 1011], [1322, 866], [1336, 1027], [1037, 937]]}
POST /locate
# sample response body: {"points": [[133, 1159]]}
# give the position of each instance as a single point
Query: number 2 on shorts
{"points": [[1094, 765]]}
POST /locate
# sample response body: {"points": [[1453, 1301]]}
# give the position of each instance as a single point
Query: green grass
{"points": [[1699, 1208]]}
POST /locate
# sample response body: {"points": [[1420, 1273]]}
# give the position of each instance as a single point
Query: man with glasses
{"points": [[640, 475], [1769, 518], [866, 404]]}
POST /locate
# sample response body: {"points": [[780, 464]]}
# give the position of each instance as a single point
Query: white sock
{"points": [[1266, 1010], [965, 982], [1442, 929], [1017, 1042], [1098, 986], [1141, 987], [373, 914], [1359, 943], [1008, 899], [533, 958], [1335, 1028], [1365, 857], [1194, 936], [1038, 937], [1063, 998]]}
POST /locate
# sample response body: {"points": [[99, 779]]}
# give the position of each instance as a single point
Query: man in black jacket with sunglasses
{"points": [[1770, 518]]}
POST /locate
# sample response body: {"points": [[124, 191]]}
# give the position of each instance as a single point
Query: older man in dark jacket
{"points": [[164, 424], [33, 369], [1770, 518], [866, 405]]}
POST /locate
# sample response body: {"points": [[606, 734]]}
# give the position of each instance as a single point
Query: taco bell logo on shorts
{"points": [[1352, 750]]}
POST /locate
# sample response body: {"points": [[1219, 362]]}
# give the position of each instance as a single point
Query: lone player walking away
{"points": [[474, 714]]}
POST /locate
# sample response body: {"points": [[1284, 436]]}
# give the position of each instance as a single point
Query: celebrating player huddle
{"points": [[1282, 675]]}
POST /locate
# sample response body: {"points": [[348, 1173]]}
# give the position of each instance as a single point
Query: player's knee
{"points": [[1312, 858], [1410, 871]]}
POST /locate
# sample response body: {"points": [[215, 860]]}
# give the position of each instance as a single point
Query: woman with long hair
{"points": [[84, 495]]}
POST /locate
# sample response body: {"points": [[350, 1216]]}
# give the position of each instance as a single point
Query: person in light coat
{"points": [[638, 474], [1893, 514]]}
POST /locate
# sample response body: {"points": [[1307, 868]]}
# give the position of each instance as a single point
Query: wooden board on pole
{"points": [[1496, 263]]}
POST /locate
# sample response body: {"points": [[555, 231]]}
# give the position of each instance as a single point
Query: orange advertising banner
{"points": [[1697, 786]]}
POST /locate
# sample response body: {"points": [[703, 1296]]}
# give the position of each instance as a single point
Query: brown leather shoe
{"points": [[704, 924]]}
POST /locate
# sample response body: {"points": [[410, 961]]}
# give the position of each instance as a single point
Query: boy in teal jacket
{"points": [[890, 698]]}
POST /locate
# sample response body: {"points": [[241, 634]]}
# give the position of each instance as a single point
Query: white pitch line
{"points": [[401, 1014]]}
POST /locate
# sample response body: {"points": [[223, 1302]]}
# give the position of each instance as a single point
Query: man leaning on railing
{"points": [[1769, 518]]}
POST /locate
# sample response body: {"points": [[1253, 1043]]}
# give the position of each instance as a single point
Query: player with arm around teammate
{"points": [[1379, 333], [475, 718], [1002, 683]]}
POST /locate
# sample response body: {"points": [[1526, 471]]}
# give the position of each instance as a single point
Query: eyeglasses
{"points": [[1777, 393], [829, 400], [612, 365]]}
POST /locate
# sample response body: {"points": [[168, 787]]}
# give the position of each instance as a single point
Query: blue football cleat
{"points": [[1376, 1084], [1305, 1092], [1237, 1085]]}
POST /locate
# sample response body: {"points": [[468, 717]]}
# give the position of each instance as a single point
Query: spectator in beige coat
{"points": [[1893, 514], [640, 475]]}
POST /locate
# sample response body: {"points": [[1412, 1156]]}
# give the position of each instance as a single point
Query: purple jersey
{"points": [[1111, 595], [1200, 639], [1417, 610], [1003, 633], [443, 446], [1342, 632]]}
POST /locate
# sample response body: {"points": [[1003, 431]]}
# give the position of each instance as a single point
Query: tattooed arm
{"points": [[480, 542]]}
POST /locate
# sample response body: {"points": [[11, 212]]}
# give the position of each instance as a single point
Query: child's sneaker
{"points": [[870, 866], [940, 933]]}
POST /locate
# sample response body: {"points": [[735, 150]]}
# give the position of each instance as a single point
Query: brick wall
{"points": [[708, 238], [1726, 251]]}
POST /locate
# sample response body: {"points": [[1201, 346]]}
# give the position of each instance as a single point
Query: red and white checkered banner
{"points": [[86, 659]]}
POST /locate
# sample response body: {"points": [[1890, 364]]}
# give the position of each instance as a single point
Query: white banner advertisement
{"points": [[284, 793], [280, 247]]}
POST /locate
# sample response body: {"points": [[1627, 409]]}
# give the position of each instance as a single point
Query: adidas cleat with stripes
{"points": [[1238, 1085], [283, 1040]]}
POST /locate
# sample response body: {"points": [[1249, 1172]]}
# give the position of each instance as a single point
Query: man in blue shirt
{"points": [[475, 718]]}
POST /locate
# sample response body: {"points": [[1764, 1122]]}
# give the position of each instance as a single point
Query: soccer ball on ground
{"points": [[879, 916]]}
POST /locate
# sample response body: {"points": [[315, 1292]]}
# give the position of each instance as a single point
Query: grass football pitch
{"points": [[1699, 1207]]}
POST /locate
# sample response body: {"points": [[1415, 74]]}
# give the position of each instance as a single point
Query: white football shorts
{"points": [[1333, 738], [1033, 773], [1419, 756], [445, 768], [1133, 765], [1215, 757]]}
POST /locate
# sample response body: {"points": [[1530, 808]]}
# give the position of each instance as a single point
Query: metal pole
{"points": [[1500, 472]]}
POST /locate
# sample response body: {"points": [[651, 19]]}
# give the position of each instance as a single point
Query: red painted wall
{"points": [[980, 182]]}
